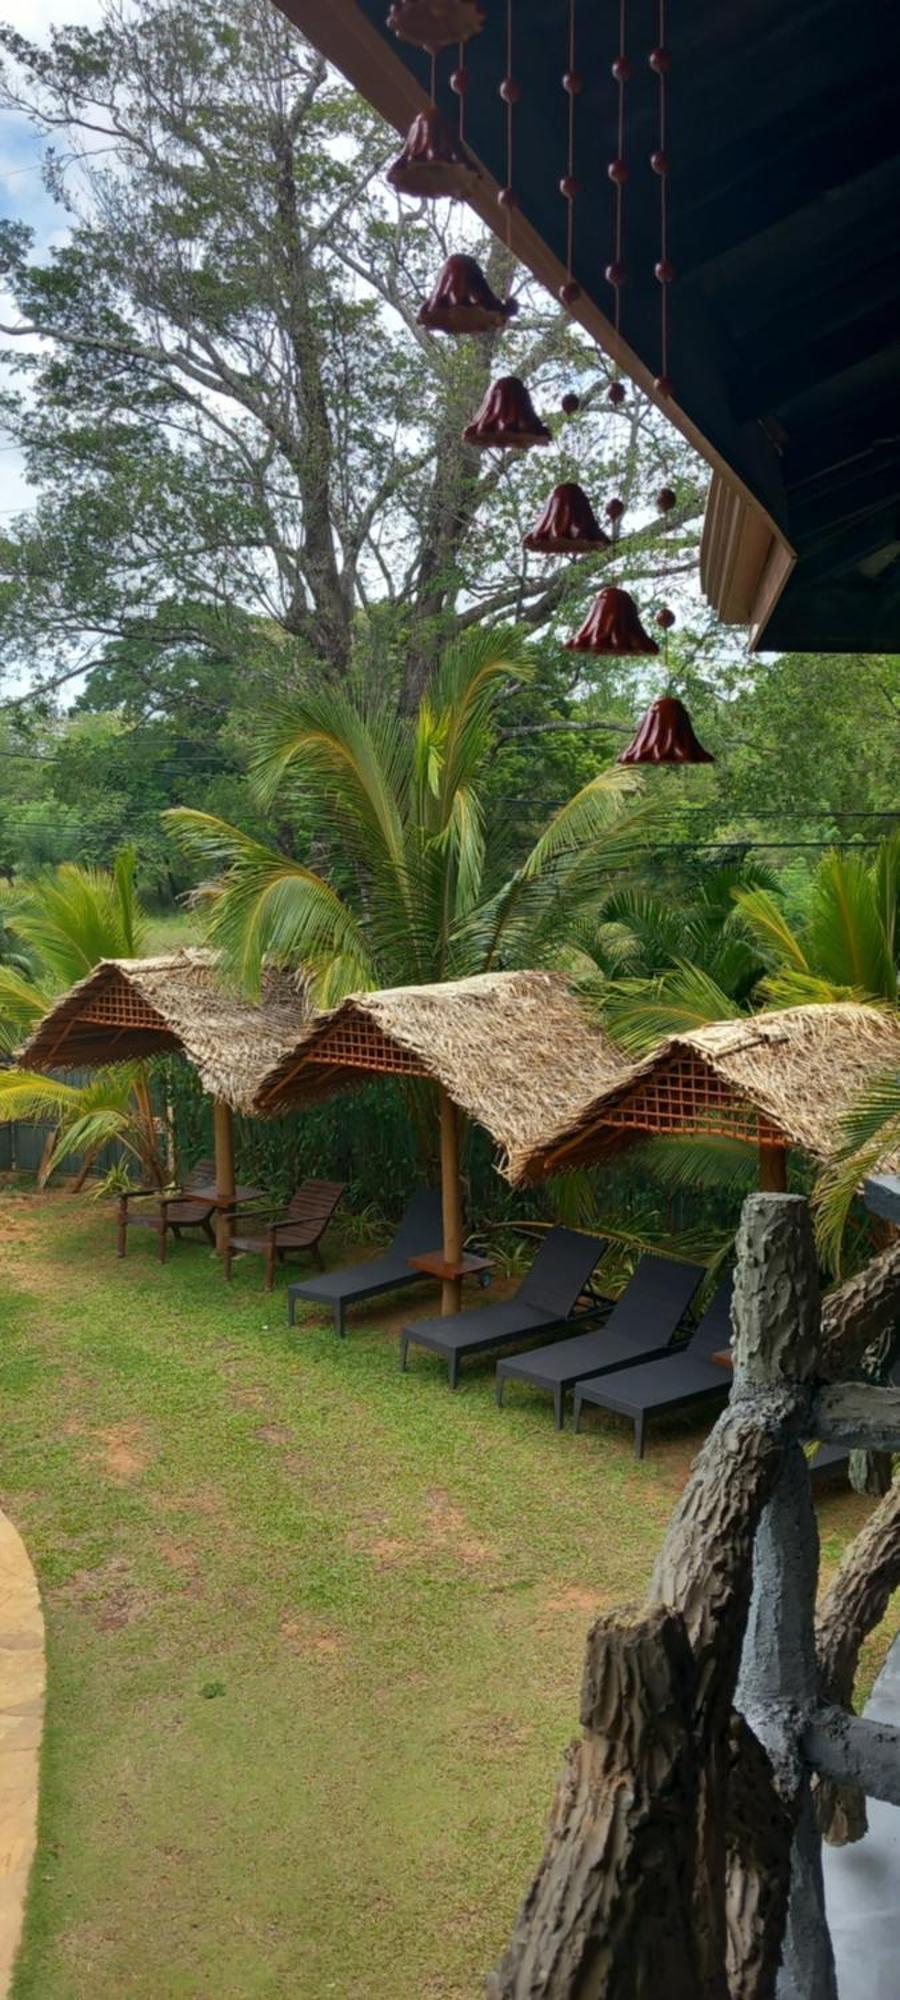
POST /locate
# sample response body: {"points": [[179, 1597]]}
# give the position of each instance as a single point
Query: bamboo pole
{"points": [[223, 1134], [451, 1201]]}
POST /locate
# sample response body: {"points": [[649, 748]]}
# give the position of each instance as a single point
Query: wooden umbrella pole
{"points": [[772, 1168], [451, 1202], [223, 1132]]}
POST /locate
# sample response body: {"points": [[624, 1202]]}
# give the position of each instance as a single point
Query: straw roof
{"points": [[784, 1078], [514, 1050], [127, 1008]]}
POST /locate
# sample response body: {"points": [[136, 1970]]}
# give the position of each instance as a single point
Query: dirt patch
{"points": [[277, 1435], [308, 1638], [108, 1595], [127, 1452], [449, 1529], [574, 1600], [389, 1551]]}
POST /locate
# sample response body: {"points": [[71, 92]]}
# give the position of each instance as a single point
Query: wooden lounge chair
{"points": [[419, 1231], [546, 1297], [179, 1209], [641, 1326], [675, 1381], [301, 1227]]}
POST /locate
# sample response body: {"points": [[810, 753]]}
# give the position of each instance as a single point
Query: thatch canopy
{"points": [[780, 1079], [513, 1050], [129, 1008]]}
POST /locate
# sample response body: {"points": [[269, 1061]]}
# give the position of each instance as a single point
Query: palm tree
{"points": [[869, 1143], [845, 948], [66, 922], [413, 891]]}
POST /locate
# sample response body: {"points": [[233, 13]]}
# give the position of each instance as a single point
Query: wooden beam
{"points": [[223, 1134], [772, 1168], [451, 1201]]}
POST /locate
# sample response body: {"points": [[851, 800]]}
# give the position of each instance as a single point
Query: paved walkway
{"points": [[22, 1679], [862, 1882]]}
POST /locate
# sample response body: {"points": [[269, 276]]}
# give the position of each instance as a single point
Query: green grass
{"points": [[315, 1628]]}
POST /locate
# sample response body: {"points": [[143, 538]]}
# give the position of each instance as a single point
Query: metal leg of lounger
{"points": [[639, 1424], [576, 1419], [559, 1407], [499, 1386], [404, 1352], [453, 1370], [292, 1309], [339, 1317]]}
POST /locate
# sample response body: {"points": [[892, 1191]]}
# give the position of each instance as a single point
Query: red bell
{"points": [[612, 626], [433, 161], [507, 418], [666, 736], [434, 24], [462, 301], [567, 525]]}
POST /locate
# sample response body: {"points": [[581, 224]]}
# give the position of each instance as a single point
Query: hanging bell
{"points": [[433, 161], [462, 301], [507, 418], [567, 525], [612, 626], [666, 736], [434, 24]]}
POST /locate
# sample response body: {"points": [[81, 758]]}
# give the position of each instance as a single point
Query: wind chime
{"points": [[435, 161]]}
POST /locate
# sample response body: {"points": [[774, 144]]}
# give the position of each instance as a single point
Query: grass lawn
{"points": [[315, 1628]]}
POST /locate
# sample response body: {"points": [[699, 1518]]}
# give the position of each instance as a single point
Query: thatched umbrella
{"points": [[511, 1050], [778, 1080], [127, 1009]]}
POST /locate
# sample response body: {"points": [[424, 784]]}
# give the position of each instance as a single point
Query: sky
{"points": [[22, 194]]}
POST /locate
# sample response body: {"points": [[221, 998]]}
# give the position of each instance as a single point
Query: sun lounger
{"points": [[674, 1381], [546, 1297], [419, 1231], [640, 1326]]}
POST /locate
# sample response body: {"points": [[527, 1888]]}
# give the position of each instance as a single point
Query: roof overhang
{"points": [[786, 315]]}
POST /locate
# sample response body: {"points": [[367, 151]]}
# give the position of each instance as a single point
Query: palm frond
{"points": [[642, 1013], [767, 924], [869, 1141]]}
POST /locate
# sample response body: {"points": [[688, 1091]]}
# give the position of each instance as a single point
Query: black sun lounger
{"points": [[547, 1296], [420, 1230], [640, 1327], [672, 1382]]}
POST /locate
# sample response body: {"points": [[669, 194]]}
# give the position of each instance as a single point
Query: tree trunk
{"points": [[851, 1609]]}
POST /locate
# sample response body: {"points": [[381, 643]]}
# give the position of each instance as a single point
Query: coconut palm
{"points": [[66, 922], [869, 1143], [413, 890], [845, 948]]}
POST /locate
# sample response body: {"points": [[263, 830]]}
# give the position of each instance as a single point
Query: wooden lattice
{"points": [[687, 1097], [120, 1006], [358, 1043]]}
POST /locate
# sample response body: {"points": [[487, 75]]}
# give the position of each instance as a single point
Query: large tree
{"points": [[241, 439]]}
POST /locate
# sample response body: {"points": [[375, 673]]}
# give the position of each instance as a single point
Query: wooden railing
{"points": [[683, 1858]]}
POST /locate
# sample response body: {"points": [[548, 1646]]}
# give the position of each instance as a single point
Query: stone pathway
{"points": [[22, 1680]]}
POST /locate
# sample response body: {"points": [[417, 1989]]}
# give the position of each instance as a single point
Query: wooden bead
{"points": [[615, 394], [569, 186], [665, 619], [615, 509], [622, 69], [665, 271], [569, 292], [663, 385], [666, 500], [459, 81], [661, 61], [573, 83], [570, 403], [660, 163], [618, 172], [615, 273], [510, 90], [507, 197]]}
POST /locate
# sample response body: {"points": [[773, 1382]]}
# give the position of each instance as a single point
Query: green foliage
{"points": [[415, 891], [869, 1144]]}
